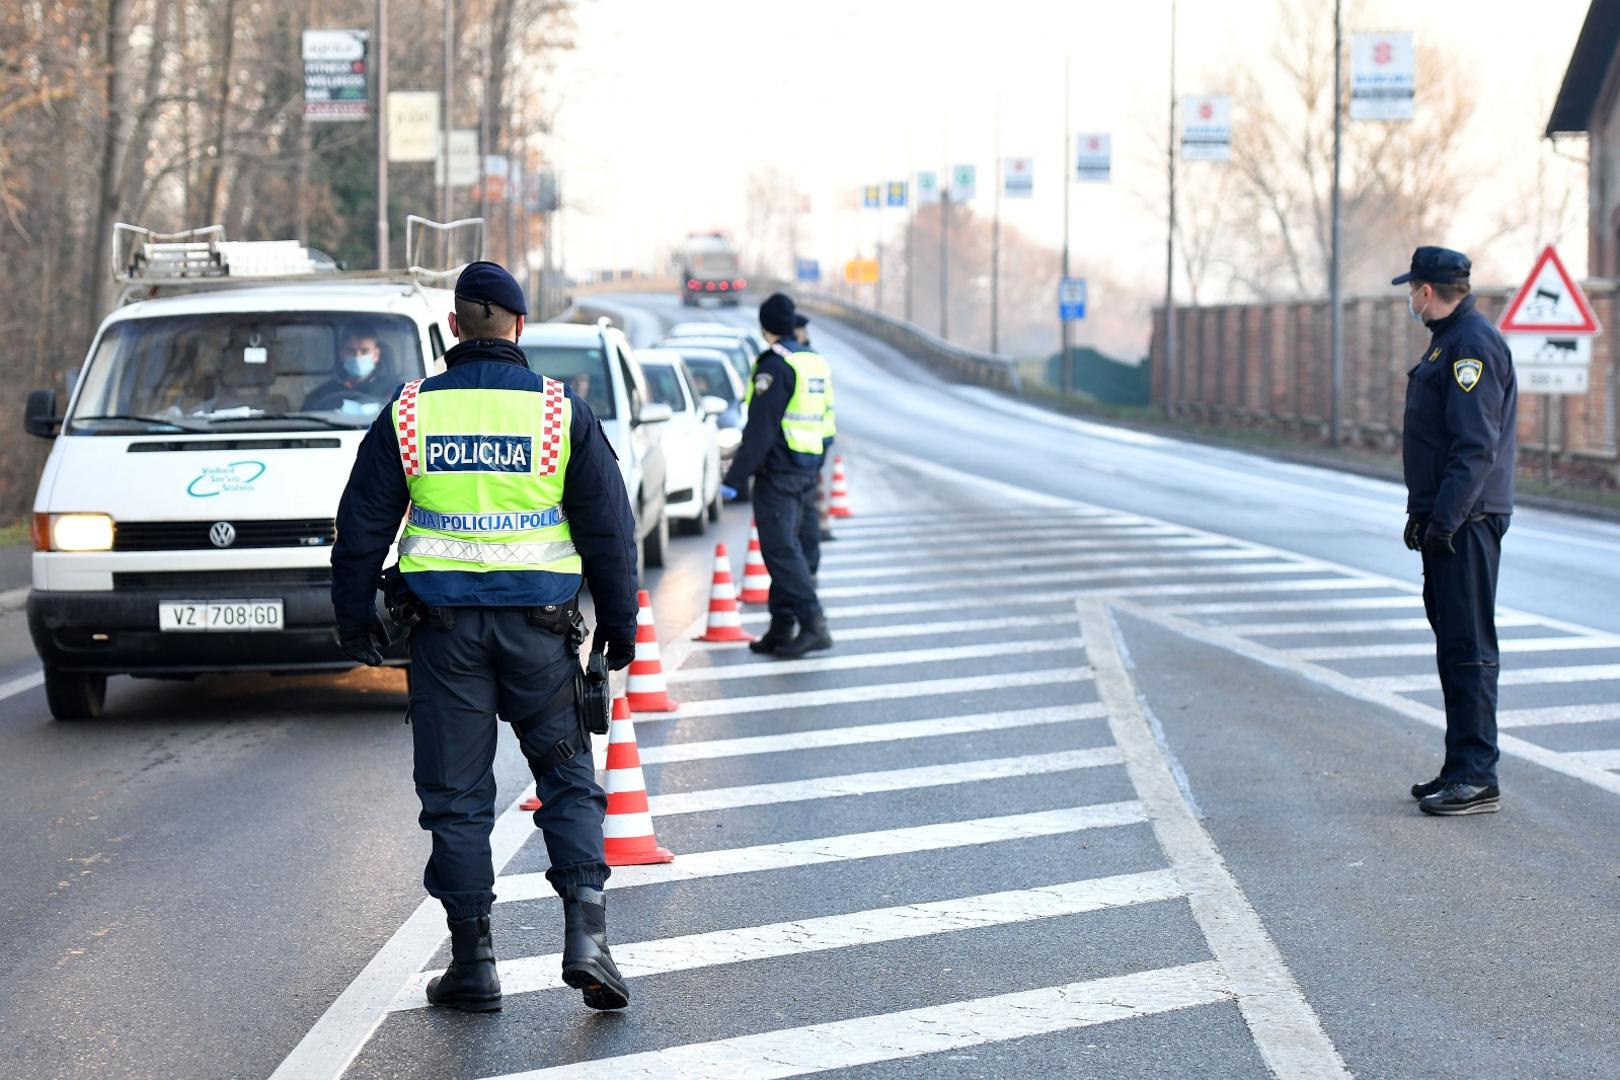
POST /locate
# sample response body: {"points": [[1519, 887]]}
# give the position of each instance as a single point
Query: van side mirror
{"points": [[39, 414], [655, 412], [714, 406]]}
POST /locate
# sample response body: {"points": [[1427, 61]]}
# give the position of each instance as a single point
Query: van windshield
{"points": [[584, 369], [245, 371], [713, 264]]}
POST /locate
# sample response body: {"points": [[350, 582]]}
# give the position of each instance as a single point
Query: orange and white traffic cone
{"points": [[529, 805], [756, 578], [647, 690], [839, 507], [823, 514], [725, 623], [627, 831]]}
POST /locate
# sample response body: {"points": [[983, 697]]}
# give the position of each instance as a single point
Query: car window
{"points": [[583, 368], [664, 386], [709, 379]]}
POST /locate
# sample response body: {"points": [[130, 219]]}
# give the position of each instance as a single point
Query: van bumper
{"points": [[116, 633]]}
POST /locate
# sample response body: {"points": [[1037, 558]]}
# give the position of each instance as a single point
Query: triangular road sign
{"points": [[1549, 302]]}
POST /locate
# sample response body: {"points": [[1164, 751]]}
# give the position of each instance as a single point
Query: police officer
{"points": [[1458, 447], [513, 496], [824, 533], [782, 449]]}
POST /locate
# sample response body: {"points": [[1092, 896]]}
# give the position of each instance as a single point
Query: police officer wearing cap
{"points": [[801, 334], [1458, 447], [782, 449], [513, 496]]}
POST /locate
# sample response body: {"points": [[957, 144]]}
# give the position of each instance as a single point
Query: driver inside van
{"points": [[360, 381]]}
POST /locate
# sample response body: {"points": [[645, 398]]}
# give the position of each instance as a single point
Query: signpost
{"points": [[1206, 128], [861, 272], [413, 125], [872, 196], [807, 270], [335, 78], [1383, 76], [928, 188], [1018, 177], [1093, 160], [894, 193], [1072, 300], [1549, 326], [964, 183]]}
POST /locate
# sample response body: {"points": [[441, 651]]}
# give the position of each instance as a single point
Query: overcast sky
{"points": [[666, 108]]}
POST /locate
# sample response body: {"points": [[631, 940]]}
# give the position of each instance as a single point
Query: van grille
{"points": [[189, 535], [181, 580]]}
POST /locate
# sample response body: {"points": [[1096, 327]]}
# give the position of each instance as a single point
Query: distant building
{"points": [[1589, 103]]}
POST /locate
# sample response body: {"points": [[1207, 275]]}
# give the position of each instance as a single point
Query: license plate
{"points": [[219, 616]]}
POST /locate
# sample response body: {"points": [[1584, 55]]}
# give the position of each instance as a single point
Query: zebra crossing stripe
{"points": [[1328, 628], [857, 661], [896, 1036], [830, 849], [848, 695], [1407, 684], [927, 629], [1426, 648], [1551, 715], [639, 959], [1348, 603], [866, 553], [1263, 565], [1024, 560], [1598, 759]]}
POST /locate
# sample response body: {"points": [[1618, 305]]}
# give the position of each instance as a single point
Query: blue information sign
{"points": [[1072, 299], [808, 270], [895, 193]]}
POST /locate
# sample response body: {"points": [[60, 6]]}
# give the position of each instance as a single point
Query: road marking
{"points": [[953, 544], [24, 683], [1020, 560], [1353, 626], [12, 599], [1348, 603], [871, 783], [927, 629], [999, 525], [849, 695], [830, 849], [1368, 690], [1557, 714], [918, 607], [857, 661], [1543, 676], [866, 1040], [1426, 648], [1282, 1022], [1598, 759], [659, 956], [1156, 536], [979, 582], [823, 738]]}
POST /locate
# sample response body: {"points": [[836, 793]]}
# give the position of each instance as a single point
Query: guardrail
{"points": [[954, 361]]}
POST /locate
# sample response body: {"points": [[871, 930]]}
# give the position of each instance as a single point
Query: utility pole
{"points": [[444, 107], [945, 260], [911, 229], [381, 105], [1170, 239], [485, 142], [1068, 182], [998, 178], [1335, 267]]}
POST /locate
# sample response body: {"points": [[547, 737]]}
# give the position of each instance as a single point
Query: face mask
{"points": [[359, 365], [1416, 313]]}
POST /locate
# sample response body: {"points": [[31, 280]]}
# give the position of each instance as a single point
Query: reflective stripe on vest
{"points": [[485, 469]]}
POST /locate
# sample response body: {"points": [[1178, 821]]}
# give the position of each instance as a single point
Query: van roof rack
{"points": [[149, 264]]}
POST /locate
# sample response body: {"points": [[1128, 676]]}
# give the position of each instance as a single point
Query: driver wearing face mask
{"points": [[359, 383]]}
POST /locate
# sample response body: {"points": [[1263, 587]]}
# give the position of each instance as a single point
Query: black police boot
{"points": [[587, 965], [471, 982], [1423, 791], [1455, 800], [813, 636], [779, 634]]}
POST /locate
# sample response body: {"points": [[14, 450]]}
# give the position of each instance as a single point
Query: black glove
{"points": [[365, 646], [1438, 540], [1414, 532], [619, 652]]}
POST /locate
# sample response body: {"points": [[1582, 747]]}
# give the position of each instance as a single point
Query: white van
{"points": [[184, 519]]}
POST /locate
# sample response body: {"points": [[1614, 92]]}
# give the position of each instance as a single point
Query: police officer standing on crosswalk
{"points": [[782, 449], [1458, 448], [513, 496]]}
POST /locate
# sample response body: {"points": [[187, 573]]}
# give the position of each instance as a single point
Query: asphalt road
{"points": [[1105, 777]]}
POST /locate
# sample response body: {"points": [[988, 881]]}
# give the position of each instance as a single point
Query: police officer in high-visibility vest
{"points": [[1458, 446], [824, 533], [781, 450], [513, 496]]}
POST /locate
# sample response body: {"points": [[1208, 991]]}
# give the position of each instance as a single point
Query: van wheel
{"points": [[657, 543], [75, 695], [694, 526], [713, 511]]}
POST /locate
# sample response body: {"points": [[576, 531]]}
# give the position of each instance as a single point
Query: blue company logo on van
{"points": [[515, 521], [232, 479], [480, 453]]}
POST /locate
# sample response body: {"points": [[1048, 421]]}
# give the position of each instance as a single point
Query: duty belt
{"points": [[486, 551]]}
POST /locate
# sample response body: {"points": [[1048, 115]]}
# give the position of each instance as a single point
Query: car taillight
{"points": [[724, 285], [709, 286], [691, 283], [742, 283]]}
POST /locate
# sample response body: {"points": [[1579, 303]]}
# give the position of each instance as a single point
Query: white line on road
{"points": [[1348, 603], [638, 959], [12, 599], [1598, 759], [926, 629], [24, 683], [936, 1029], [868, 553], [1426, 648], [829, 849], [918, 607], [1353, 626], [1543, 676], [978, 582], [849, 695], [1021, 560], [1284, 1026], [1557, 714], [871, 783], [857, 661]]}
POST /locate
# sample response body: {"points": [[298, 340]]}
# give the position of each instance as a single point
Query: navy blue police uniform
{"points": [[1458, 446], [496, 644]]}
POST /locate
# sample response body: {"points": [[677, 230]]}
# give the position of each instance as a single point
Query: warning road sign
{"points": [[1549, 302]]}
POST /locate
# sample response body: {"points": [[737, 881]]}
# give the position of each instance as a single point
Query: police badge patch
{"points": [[1467, 373], [763, 382]]}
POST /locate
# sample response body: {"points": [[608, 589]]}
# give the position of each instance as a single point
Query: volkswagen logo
{"points": [[222, 534]]}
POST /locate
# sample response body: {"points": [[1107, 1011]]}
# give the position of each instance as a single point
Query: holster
{"points": [[404, 609]]}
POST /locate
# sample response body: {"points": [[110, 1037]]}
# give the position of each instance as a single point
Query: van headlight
{"points": [[81, 532]]}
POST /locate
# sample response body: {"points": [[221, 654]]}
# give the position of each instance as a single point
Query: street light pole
{"points": [[381, 105], [997, 178], [1170, 239], [1068, 181], [444, 109], [1335, 267]]}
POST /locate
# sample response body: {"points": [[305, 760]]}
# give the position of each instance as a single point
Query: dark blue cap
{"points": [[1437, 266], [489, 283], [800, 320], [776, 314]]}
